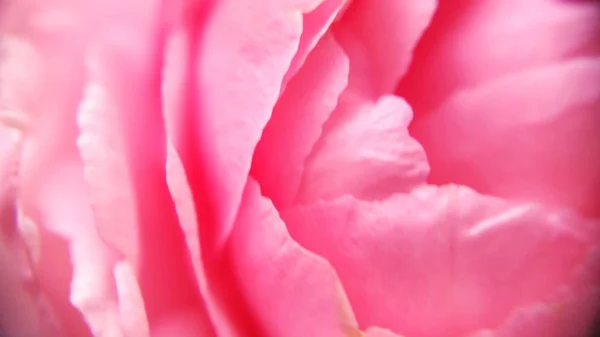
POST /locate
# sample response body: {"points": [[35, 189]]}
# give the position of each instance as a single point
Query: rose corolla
{"points": [[285, 168]]}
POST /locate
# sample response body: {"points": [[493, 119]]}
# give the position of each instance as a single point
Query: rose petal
{"points": [[123, 144], [314, 26], [131, 303], [383, 148], [245, 51], [442, 261], [533, 135], [373, 146], [290, 291], [10, 140], [571, 317], [68, 274], [384, 32], [378, 332], [91, 283], [297, 121], [471, 42]]}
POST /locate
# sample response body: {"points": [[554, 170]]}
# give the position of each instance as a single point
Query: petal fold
{"points": [[532, 135], [373, 146], [297, 121], [291, 291], [444, 260]]}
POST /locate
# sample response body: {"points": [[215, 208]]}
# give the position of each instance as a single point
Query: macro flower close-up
{"points": [[299, 168]]}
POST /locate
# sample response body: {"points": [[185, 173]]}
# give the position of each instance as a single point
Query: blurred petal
{"points": [[443, 261], [223, 77], [532, 135], [373, 147], [297, 121], [131, 304], [124, 147], [68, 274], [291, 291]]}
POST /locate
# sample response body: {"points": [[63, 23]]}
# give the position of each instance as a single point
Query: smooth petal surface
{"points": [[532, 135], [385, 32], [290, 291], [21, 314], [10, 140], [297, 121], [314, 26], [366, 132], [567, 314], [443, 261], [373, 147], [132, 314], [378, 332], [472, 41]]}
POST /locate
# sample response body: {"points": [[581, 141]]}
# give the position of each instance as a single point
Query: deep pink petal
{"points": [[297, 121], [243, 52], [373, 147], [443, 261], [533, 135], [290, 291], [473, 41]]}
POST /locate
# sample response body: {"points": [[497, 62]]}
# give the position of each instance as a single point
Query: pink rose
{"points": [[235, 168]]}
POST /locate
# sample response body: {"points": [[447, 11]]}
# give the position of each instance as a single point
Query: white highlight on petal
{"points": [[131, 303], [501, 219]]}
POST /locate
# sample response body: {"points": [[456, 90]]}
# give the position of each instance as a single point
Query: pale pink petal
{"points": [[90, 285], [372, 146], [21, 312], [106, 171], [379, 332], [384, 32], [289, 290], [297, 121], [132, 314], [573, 312], [124, 147], [532, 135], [443, 261], [473, 41], [367, 132], [68, 274]]}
